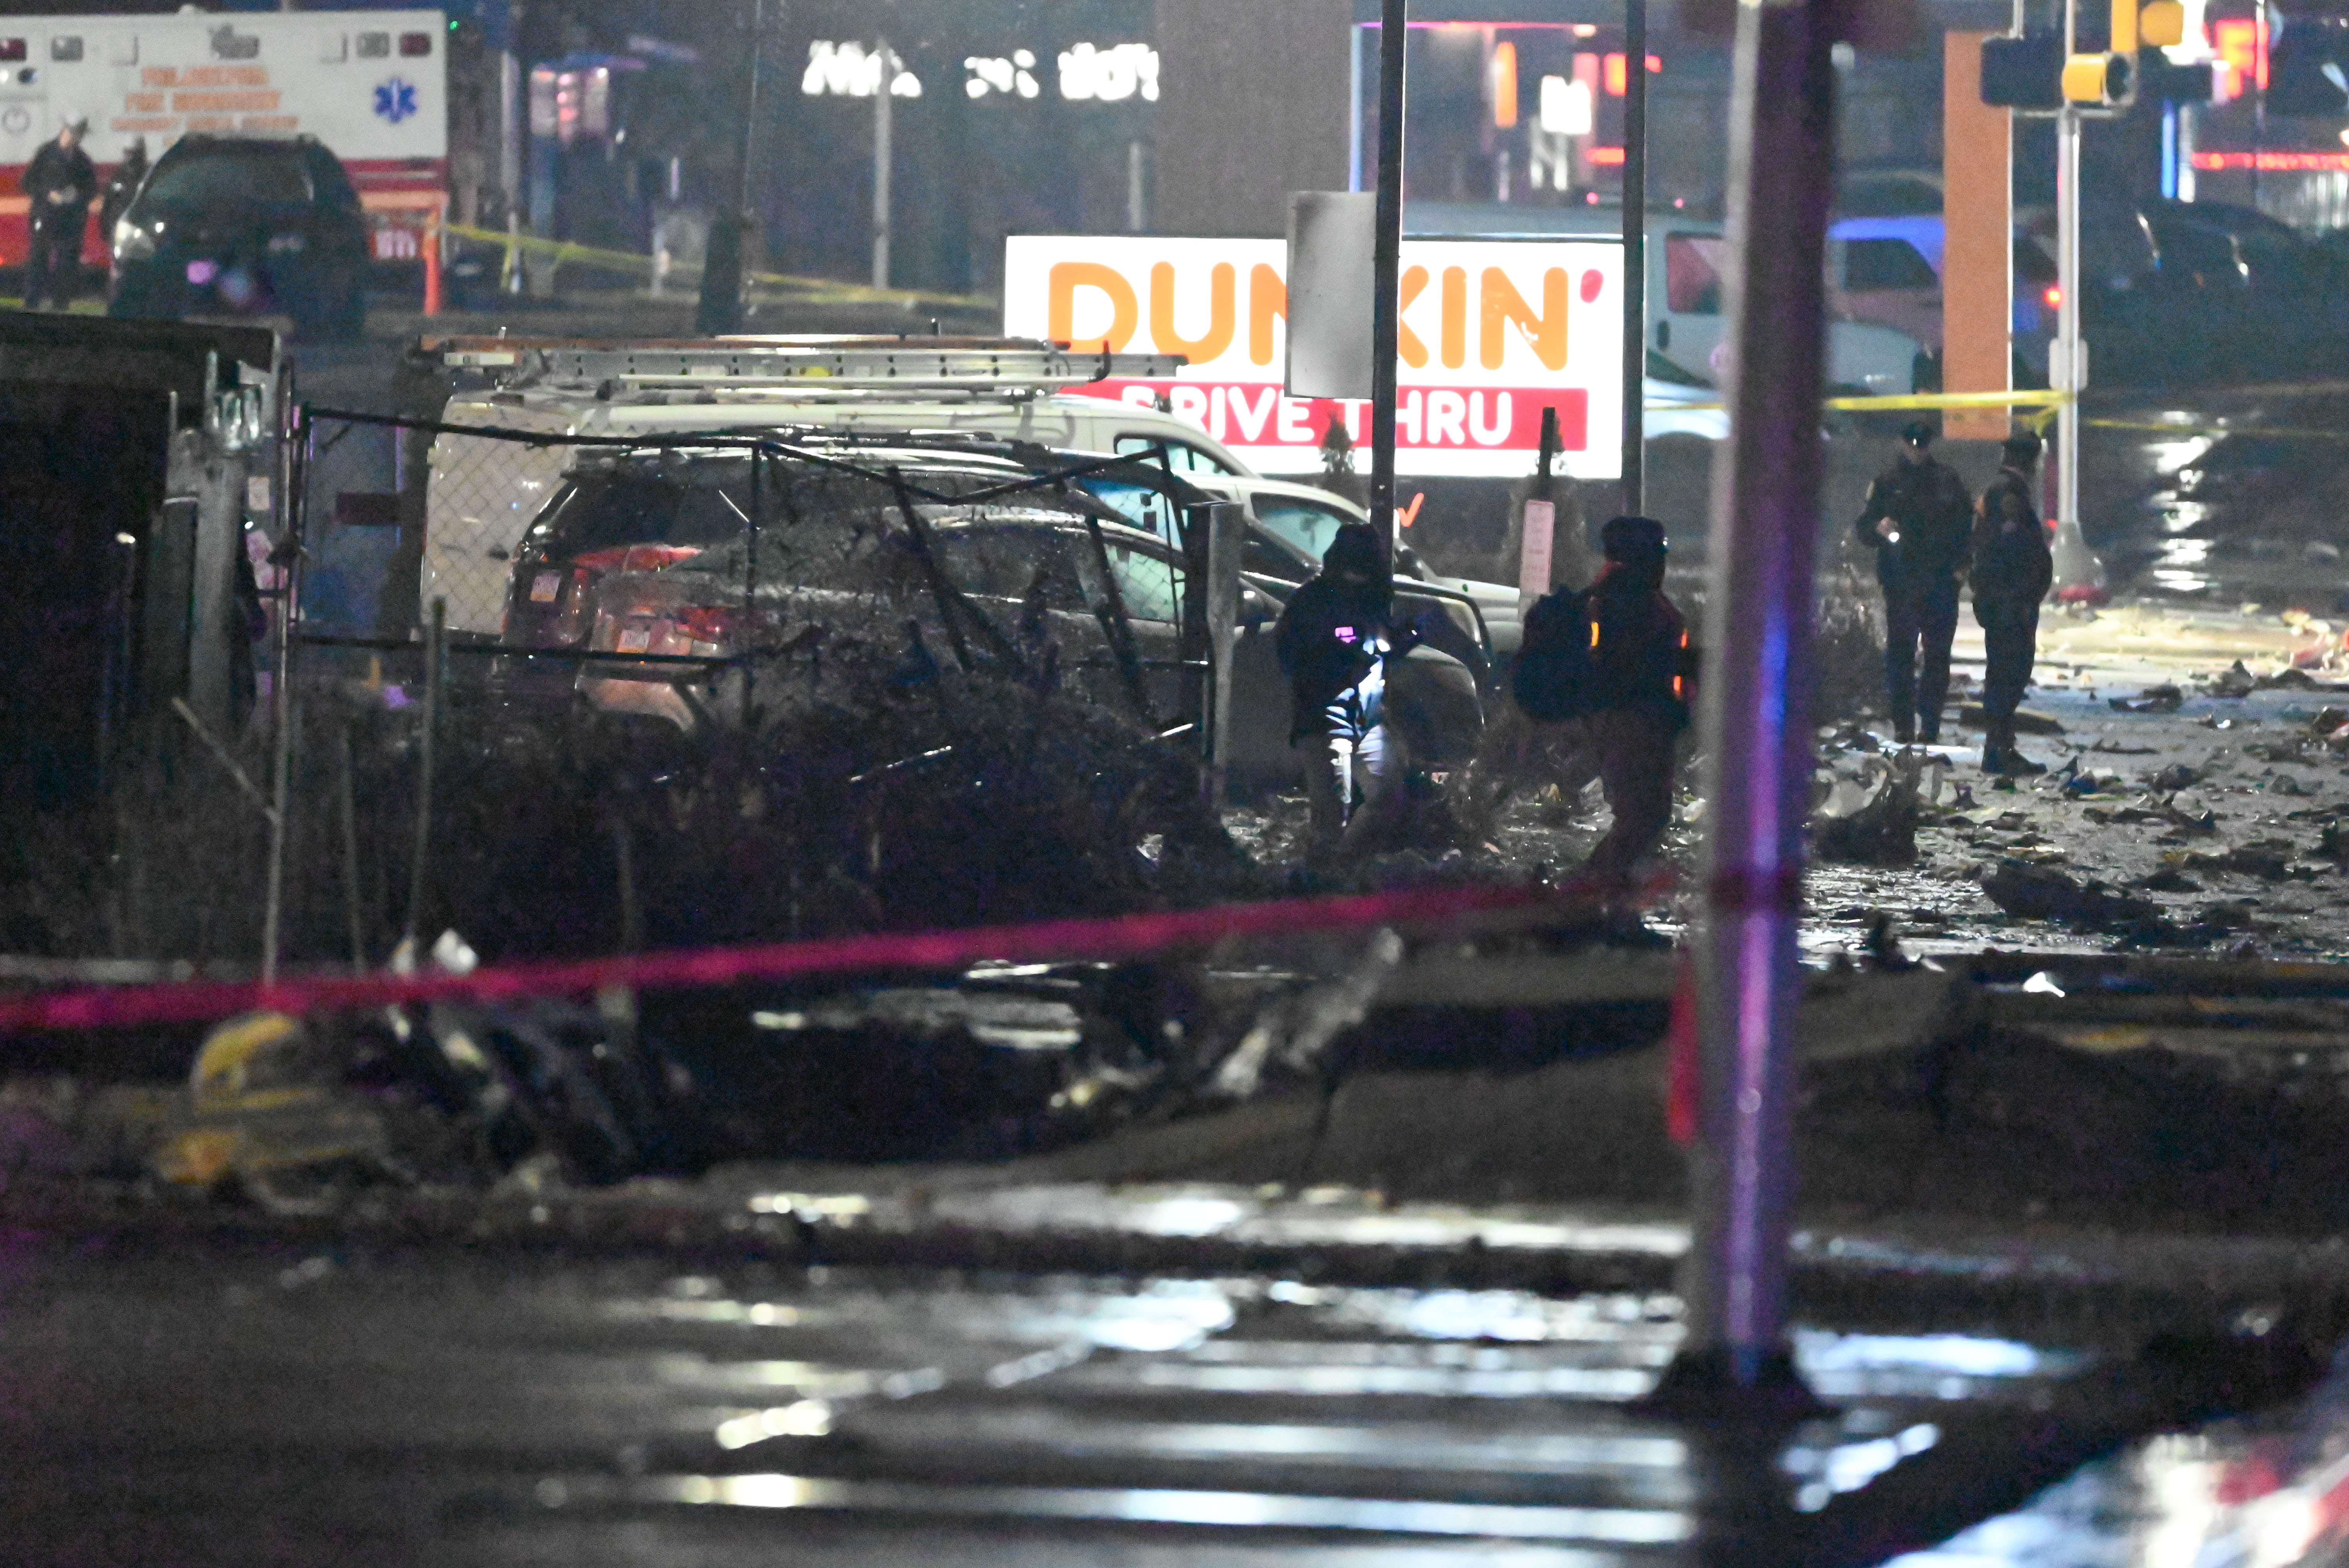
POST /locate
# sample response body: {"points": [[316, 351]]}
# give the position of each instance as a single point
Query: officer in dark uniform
{"points": [[1920, 522], [2013, 569], [60, 184]]}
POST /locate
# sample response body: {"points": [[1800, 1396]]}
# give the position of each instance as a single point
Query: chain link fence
{"points": [[569, 695]]}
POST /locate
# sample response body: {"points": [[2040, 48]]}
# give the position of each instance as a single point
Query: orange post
{"points": [[1977, 234], [432, 260]]}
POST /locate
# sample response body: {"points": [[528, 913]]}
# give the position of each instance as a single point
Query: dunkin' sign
{"points": [[1493, 332]]}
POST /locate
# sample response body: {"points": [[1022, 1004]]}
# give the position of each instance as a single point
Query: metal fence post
{"points": [[434, 672], [750, 585], [1755, 727], [1227, 537], [295, 502]]}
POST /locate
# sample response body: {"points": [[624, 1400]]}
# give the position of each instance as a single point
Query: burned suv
{"points": [[972, 561], [244, 226]]}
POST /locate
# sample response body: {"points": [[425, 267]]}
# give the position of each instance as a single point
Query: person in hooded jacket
{"points": [[1642, 677], [2013, 569], [1335, 640]]}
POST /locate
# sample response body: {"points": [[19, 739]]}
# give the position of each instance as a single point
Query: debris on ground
{"points": [[1870, 813], [2027, 721], [2163, 698], [2041, 893]]}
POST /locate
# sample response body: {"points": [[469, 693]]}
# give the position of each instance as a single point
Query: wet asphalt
{"points": [[262, 1405]]}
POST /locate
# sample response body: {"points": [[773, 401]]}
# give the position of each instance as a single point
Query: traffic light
{"points": [[2107, 80], [2096, 65], [2025, 73]]}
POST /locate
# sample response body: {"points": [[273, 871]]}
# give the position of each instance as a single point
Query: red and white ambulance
{"points": [[372, 86]]}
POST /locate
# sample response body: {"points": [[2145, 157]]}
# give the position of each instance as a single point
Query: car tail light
{"points": [[2053, 295], [706, 624]]}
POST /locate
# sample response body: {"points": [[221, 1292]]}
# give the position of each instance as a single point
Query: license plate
{"points": [[545, 587], [635, 639]]}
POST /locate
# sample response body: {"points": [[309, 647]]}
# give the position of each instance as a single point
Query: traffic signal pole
{"points": [[1386, 269], [1756, 726], [2070, 360], [1635, 256]]}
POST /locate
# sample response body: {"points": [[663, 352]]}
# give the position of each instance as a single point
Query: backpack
{"points": [[1555, 678]]}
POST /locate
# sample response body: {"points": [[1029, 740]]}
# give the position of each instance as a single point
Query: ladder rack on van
{"points": [[815, 365]]}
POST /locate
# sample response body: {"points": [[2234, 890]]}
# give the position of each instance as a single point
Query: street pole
{"points": [[1635, 256], [513, 128], [881, 165], [1386, 267], [1756, 733], [720, 309], [2070, 366]]}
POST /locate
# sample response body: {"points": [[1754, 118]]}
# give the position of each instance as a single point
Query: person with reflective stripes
{"points": [[1641, 655], [1616, 657]]}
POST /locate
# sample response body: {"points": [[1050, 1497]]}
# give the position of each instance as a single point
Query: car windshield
{"points": [[1305, 524], [705, 505], [271, 176]]}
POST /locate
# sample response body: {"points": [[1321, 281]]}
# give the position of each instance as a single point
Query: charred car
{"points": [[929, 560]]}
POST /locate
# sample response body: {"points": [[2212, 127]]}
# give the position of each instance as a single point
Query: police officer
{"points": [[2013, 568], [1335, 639], [60, 183], [1918, 520]]}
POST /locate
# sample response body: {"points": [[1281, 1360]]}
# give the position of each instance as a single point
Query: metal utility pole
{"points": [[881, 166], [719, 310], [1635, 256], [1756, 735], [1386, 267], [2068, 368]]}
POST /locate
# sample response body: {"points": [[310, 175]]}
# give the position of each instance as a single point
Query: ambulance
{"points": [[372, 86]]}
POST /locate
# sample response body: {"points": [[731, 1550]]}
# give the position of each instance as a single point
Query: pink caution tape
{"points": [[1120, 936]]}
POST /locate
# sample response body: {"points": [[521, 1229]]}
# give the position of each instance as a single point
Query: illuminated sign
{"points": [[851, 70], [1111, 75], [1010, 74], [1089, 73], [1493, 332], [2242, 47], [2273, 162]]}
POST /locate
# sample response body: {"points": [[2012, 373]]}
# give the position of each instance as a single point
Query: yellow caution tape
{"points": [[563, 250]]}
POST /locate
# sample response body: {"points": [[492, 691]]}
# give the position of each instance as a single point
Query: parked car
{"points": [[1888, 269], [244, 226], [848, 574]]}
